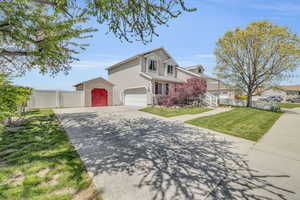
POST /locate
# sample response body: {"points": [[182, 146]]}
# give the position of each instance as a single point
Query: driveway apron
{"points": [[135, 156]]}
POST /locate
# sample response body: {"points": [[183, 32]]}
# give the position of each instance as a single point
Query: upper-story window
{"points": [[152, 65], [170, 69]]}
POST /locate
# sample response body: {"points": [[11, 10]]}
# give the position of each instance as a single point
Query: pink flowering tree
{"points": [[180, 93]]}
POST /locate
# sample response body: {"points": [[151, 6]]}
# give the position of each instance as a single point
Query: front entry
{"points": [[99, 97]]}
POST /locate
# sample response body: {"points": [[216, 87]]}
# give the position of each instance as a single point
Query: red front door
{"points": [[99, 97]]}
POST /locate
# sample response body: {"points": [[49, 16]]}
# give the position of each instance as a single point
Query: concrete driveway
{"points": [[137, 156]]}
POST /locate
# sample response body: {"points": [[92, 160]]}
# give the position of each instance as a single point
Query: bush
{"points": [[241, 97], [180, 93], [275, 107], [12, 98]]}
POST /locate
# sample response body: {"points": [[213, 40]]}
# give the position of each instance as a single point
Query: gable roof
{"points": [[100, 78], [137, 56]]}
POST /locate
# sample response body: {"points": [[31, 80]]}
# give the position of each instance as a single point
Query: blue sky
{"points": [[190, 39]]}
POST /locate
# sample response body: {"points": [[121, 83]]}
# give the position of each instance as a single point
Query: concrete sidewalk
{"points": [[284, 137], [276, 155], [183, 118]]}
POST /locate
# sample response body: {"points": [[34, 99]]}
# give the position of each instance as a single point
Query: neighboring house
{"points": [[214, 86], [140, 79], [285, 91]]}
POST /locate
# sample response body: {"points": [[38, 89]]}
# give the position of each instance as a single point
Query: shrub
{"points": [[241, 97], [12, 98], [275, 107], [180, 93]]}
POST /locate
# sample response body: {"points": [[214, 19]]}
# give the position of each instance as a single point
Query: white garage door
{"points": [[135, 97]]}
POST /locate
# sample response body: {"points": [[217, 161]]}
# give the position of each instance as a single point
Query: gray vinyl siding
{"points": [[124, 77]]}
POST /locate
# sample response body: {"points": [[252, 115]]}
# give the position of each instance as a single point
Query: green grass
{"points": [[289, 105], [171, 112], [38, 162], [244, 122]]}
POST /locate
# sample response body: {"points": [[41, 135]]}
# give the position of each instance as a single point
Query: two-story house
{"points": [[138, 80]]}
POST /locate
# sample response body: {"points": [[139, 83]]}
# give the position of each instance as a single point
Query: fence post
{"points": [[30, 102], [57, 98]]}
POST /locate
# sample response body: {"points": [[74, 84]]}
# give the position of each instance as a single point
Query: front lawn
{"points": [[243, 122], [289, 105], [37, 162], [171, 112]]}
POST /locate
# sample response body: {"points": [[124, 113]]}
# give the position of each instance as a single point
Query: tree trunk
{"points": [[249, 100]]}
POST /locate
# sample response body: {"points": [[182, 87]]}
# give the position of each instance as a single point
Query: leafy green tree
{"points": [[45, 34], [257, 55], [12, 98]]}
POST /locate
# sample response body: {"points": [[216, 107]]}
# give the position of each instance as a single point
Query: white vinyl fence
{"points": [[256, 104], [55, 99]]}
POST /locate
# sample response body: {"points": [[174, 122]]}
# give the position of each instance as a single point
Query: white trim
{"points": [[152, 55], [137, 87], [146, 75], [161, 78]]}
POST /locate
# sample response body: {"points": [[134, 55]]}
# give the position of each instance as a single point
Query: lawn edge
{"points": [[96, 194], [224, 133], [169, 117]]}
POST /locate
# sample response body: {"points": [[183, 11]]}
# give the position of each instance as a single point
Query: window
{"points": [[167, 89], [170, 69], [158, 88], [199, 70], [152, 65]]}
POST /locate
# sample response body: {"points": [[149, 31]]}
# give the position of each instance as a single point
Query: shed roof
{"points": [[99, 78]]}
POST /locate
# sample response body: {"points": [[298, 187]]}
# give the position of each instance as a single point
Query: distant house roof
{"points": [[99, 78], [280, 87], [289, 87], [137, 56]]}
